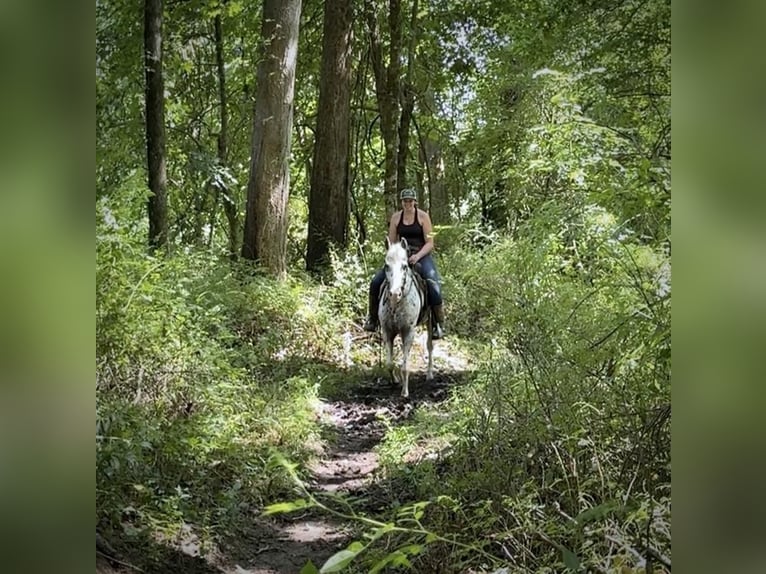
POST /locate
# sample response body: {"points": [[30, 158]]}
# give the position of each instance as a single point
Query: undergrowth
{"points": [[554, 455], [204, 367]]}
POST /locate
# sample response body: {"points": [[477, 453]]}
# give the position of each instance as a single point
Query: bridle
{"points": [[408, 283]]}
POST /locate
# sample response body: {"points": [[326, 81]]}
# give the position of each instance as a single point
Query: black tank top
{"points": [[413, 233]]}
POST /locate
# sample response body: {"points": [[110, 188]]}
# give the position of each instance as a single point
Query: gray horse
{"points": [[402, 307]]}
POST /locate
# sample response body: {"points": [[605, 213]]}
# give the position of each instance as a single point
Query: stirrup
{"points": [[437, 332], [370, 325]]}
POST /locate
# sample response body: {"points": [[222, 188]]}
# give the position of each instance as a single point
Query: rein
{"points": [[408, 283]]}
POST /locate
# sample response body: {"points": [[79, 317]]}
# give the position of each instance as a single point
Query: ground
{"points": [[352, 422]]}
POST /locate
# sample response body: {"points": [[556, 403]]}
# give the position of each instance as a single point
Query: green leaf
{"points": [[309, 568], [380, 564], [386, 528], [596, 512], [338, 561], [570, 560], [412, 549], [285, 507], [395, 558], [400, 559]]}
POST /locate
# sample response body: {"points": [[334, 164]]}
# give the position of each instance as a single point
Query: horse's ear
{"points": [[404, 244], [388, 243]]}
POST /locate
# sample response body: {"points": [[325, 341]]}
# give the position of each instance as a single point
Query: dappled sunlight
{"points": [[248, 419]]}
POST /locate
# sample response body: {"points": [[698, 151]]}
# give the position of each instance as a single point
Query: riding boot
{"points": [[371, 323], [437, 318]]}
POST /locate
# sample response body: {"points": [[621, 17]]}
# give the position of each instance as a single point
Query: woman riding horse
{"points": [[414, 225]]}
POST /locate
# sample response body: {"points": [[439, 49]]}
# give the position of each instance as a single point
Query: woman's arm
{"points": [[425, 221]]}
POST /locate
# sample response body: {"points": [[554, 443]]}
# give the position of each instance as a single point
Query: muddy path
{"points": [[354, 421]]}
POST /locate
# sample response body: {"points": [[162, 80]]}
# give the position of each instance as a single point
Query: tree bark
{"points": [[328, 195], [404, 137], [155, 125], [387, 83], [268, 188], [407, 103], [437, 190], [434, 162], [229, 205]]}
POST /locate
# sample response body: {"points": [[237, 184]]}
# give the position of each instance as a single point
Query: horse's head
{"points": [[397, 268]]}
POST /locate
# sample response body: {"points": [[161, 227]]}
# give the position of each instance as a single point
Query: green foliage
{"points": [[559, 448], [575, 108], [202, 369], [555, 452], [405, 531], [553, 124]]}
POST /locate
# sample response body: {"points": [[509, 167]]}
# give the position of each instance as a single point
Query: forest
{"points": [[249, 159]]}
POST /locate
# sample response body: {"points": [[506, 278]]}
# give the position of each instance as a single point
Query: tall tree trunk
{"points": [[437, 190], [328, 196], [404, 137], [268, 188], [387, 82], [408, 102], [434, 163], [359, 130], [155, 125], [229, 205]]}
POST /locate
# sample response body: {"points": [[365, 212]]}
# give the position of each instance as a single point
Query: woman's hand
{"points": [[414, 258]]}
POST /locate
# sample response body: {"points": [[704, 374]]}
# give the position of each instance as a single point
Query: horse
{"points": [[403, 306]]}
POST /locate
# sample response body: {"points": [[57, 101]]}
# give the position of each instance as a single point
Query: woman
{"points": [[414, 225]]}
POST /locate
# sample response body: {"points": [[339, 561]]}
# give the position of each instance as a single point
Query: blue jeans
{"points": [[427, 270]]}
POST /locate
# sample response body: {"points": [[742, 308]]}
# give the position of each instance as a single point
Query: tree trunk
{"points": [[387, 82], [432, 152], [328, 196], [437, 190], [407, 103], [229, 205], [155, 125], [404, 136], [268, 188]]}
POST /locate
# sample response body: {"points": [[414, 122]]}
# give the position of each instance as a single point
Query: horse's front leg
{"points": [[406, 346], [388, 341]]}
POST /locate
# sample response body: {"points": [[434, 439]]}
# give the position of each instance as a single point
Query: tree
{"points": [[268, 188], [407, 103], [433, 162], [155, 125], [387, 84], [328, 195], [229, 207]]}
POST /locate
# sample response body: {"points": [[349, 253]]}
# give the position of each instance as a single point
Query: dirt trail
{"points": [[352, 427]]}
